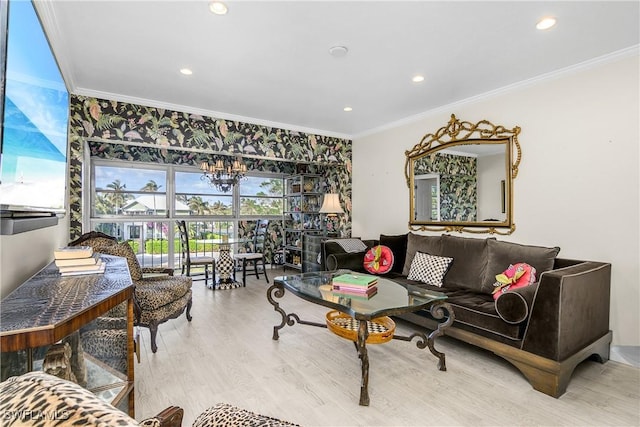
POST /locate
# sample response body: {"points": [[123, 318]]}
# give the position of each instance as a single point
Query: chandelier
{"points": [[224, 172]]}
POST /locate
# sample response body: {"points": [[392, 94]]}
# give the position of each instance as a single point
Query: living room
{"points": [[575, 121]]}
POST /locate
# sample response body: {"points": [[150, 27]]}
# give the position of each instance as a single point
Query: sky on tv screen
{"points": [[36, 110]]}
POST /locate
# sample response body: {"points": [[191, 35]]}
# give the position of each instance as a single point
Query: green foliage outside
{"points": [[157, 247]]}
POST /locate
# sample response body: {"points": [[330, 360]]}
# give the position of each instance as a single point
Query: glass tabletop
{"points": [[391, 298]]}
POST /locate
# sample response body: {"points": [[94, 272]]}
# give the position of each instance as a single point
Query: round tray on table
{"points": [[380, 329]]}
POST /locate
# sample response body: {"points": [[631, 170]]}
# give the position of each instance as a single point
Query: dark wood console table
{"points": [[48, 307]]}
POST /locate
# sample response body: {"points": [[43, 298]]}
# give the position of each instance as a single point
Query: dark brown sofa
{"points": [[545, 329]]}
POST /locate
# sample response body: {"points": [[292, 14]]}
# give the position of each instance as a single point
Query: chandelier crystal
{"points": [[224, 172]]}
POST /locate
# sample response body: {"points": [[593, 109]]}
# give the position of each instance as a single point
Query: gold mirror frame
{"points": [[456, 134]]}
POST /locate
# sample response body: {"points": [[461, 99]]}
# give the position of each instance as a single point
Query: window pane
{"points": [[129, 191], [260, 206], [148, 239], [196, 197], [261, 196], [261, 186]]}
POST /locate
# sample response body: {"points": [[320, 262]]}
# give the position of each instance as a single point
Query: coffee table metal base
{"points": [[439, 310]]}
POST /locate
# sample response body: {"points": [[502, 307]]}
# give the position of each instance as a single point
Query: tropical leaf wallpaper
{"points": [[118, 130], [458, 184]]}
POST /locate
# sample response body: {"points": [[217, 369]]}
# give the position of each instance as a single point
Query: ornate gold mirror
{"points": [[461, 178]]}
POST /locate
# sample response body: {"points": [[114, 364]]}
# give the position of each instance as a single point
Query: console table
{"points": [[49, 308]]}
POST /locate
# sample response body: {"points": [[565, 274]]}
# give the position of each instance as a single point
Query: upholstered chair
{"points": [[61, 402], [158, 298]]}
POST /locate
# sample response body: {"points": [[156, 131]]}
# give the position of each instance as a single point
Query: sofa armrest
{"points": [[353, 261], [514, 306], [570, 310]]}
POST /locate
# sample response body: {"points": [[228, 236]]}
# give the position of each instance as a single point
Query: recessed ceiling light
{"points": [[417, 78], [218, 7], [546, 23], [347, 109], [338, 51], [186, 71]]}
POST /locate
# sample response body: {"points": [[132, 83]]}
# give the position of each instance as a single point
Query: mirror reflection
{"points": [[460, 178]]}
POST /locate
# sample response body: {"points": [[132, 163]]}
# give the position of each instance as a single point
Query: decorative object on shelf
{"points": [[331, 208], [223, 173]]}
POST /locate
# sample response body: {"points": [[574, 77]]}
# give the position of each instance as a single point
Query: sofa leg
{"points": [[551, 377], [188, 310], [153, 328]]}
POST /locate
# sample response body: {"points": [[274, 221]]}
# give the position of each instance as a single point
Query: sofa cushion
{"points": [[514, 306], [501, 254], [398, 245], [349, 261], [429, 269], [469, 261], [415, 243], [473, 311]]}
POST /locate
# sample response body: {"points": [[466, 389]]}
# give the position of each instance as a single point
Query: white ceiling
{"points": [[267, 62]]}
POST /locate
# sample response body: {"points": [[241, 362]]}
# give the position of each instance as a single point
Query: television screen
{"points": [[33, 164]]}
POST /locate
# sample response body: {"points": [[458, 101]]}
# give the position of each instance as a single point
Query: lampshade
{"points": [[331, 204]]}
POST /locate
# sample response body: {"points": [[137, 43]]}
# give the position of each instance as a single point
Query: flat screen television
{"points": [[35, 116]]}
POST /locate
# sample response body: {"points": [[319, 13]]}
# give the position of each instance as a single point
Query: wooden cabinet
{"points": [[303, 199], [84, 321]]}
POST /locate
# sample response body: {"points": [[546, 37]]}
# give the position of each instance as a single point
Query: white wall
{"points": [[23, 255], [578, 185]]}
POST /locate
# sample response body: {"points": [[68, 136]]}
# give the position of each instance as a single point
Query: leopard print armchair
{"points": [[157, 298], [41, 400]]}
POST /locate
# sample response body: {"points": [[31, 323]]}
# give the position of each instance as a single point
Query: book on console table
{"points": [[355, 280], [83, 269], [71, 262], [71, 252]]}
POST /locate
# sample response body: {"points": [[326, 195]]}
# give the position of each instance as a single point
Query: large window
{"points": [[140, 203]]}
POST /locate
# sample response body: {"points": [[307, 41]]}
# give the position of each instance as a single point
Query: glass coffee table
{"points": [[391, 299]]}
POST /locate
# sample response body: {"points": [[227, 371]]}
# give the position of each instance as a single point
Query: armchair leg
{"points": [[153, 328], [188, 310]]}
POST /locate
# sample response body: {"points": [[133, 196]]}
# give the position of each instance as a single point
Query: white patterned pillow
{"points": [[429, 269]]}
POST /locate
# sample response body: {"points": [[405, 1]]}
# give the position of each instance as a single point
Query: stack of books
{"points": [[353, 285], [73, 260]]}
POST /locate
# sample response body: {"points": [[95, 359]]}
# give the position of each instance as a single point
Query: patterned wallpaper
{"points": [[458, 184], [119, 130]]}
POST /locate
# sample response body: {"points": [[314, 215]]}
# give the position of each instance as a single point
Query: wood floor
{"points": [[312, 377]]}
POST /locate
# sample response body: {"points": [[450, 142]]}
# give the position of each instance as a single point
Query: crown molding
{"points": [[563, 72], [207, 113]]}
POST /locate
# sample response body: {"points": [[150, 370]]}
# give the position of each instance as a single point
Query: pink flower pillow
{"points": [[516, 276], [378, 260]]}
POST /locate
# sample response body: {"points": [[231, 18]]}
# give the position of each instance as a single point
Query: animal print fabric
{"points": [[40, 400], [155, 292], [169, 311], [225, 415]]}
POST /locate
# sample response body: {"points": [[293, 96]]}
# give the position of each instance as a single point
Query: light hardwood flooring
{"points": [[312, 377]]}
